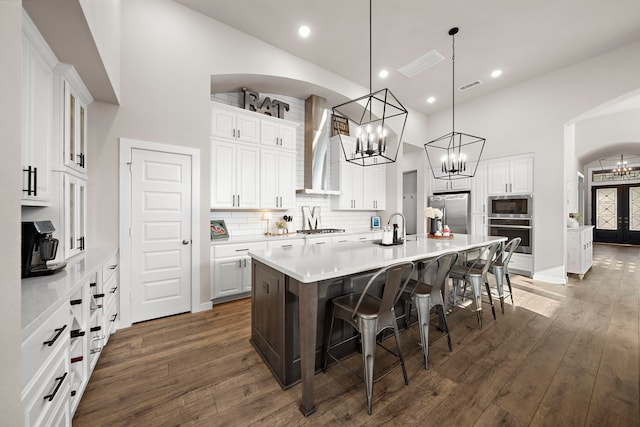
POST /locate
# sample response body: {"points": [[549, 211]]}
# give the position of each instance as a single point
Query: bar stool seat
{"points": [[370, 316]]}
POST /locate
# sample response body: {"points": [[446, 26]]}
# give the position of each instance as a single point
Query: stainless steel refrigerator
{"points": [[456, 209]]}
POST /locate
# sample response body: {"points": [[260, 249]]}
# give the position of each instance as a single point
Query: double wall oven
{"points": [[512, 216]]}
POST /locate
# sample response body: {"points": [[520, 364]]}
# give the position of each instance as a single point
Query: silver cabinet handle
{"points": [[280, 201], [234, 200], [238, 133], [234, 133], [506, 188], [239, 263], [245, 262], [238, 200]]}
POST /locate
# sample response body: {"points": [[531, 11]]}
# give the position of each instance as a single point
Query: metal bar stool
{"points": [[369, 316], [427, 294], [475, 275], [500, 270]]}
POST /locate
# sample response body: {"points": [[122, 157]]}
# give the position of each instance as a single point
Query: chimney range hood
{"points": [[316, 147]]}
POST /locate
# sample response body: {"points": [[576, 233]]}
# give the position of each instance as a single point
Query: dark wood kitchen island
{"points": [[292, 287]]}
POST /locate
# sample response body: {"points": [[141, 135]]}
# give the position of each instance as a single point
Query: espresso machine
{"points": [[38, 247]]}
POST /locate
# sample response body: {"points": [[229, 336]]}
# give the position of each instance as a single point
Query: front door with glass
{"points": [[616, 213]]}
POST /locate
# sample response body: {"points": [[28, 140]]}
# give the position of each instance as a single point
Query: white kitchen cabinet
{"points": [[278, 133], [375, 187], [521, 264], [75, 214], [579, 250], [231, 273], [61, 339], [37, 115], [235, 175], [277, 179], [235, 124], [444, 185], [479, 201], [361, 188], [510, 176]]}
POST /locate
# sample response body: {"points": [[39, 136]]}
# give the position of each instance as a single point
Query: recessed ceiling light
{"points": [[431, 99], [496, 73], [304, 31], [383, 74]]}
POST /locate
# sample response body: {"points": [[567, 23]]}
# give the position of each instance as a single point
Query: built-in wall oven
{"points": [[512, 216]]}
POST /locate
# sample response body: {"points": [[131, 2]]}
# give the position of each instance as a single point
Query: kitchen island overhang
{"points": [[292, 287]]}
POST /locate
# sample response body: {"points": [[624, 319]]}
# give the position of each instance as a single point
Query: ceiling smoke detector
{"points": [[469, 85], [421, 63]]}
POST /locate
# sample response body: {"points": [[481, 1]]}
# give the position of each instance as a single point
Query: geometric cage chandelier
{"points": [[379, 120], [455, 155]]}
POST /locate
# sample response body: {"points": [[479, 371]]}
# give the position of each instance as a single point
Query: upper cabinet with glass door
{"points": [[73, 98]]}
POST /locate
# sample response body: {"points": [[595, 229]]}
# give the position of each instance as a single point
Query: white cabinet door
{"points": [[479, 191], [235, 175], [510, 176], [37, 86], [444, 185], [223, 123], [246, 274], [521, 173], [287, 180], [75, 129], [227, 276], [223, 174], [248, 177], [346, 176], [498, 177], [248, 128], [75, 208], [232, 123], [375, 187], [269, 170], [288, 137], [277, 182]]}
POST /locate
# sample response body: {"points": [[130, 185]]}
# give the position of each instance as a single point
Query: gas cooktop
{"points": [[321, 231]]}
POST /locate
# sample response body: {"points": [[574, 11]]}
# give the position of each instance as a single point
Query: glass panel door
{"points": [[616, 213]]}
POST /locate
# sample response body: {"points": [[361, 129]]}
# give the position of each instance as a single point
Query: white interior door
{"points": [[160, 234]]}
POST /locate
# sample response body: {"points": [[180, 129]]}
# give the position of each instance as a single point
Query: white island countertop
{"points": [[313, 263]]}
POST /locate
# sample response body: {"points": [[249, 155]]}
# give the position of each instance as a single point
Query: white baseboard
{"points": [[203, 307]]}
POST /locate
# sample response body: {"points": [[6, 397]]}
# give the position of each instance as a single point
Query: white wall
{"points": [[594, 134], [10, 186], [169, 53], [103, 18], [530, 117]]}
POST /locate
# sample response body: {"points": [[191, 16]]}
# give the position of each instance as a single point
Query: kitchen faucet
{"points": [[404, 228]]}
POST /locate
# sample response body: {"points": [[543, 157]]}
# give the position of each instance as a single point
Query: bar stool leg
{"points": [[423, 305], [368, 331], [404, 369]]}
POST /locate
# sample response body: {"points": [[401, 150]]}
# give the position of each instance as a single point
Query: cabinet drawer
{"points": [[51, 387], [110, 317], [288, 243], [237, 249], [52, 335], [110, 290], [109, 268]]}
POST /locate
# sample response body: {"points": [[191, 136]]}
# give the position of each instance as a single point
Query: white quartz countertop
{"points": [[312, 263], [41, 295]]}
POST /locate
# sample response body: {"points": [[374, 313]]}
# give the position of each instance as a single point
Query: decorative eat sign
{"points": [[273, 108]]}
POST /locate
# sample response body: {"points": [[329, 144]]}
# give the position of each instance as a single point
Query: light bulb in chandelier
{"points": [[453, 164]]}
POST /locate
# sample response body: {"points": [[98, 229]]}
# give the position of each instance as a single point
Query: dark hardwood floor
{"points": [[561, 356]]}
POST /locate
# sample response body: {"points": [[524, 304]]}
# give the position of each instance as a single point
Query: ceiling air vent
{"points": [[469, 85], [421, 63]]}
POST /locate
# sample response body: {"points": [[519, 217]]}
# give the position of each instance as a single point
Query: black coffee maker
{"points": [[38, 247]]}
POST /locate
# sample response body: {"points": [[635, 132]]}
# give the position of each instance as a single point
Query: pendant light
{"points": [[375, 124], [456, 154], [618, 165]]}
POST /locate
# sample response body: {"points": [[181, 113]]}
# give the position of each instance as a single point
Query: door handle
{"points": [[186, 242]]}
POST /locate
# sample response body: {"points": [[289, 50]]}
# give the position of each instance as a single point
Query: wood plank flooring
{"points": [[561, 356]]}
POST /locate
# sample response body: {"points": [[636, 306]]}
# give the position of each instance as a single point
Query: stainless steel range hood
{"points": [[316, 147]]}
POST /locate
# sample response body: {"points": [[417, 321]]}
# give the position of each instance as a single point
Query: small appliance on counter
{"points": [[38, 247]]}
